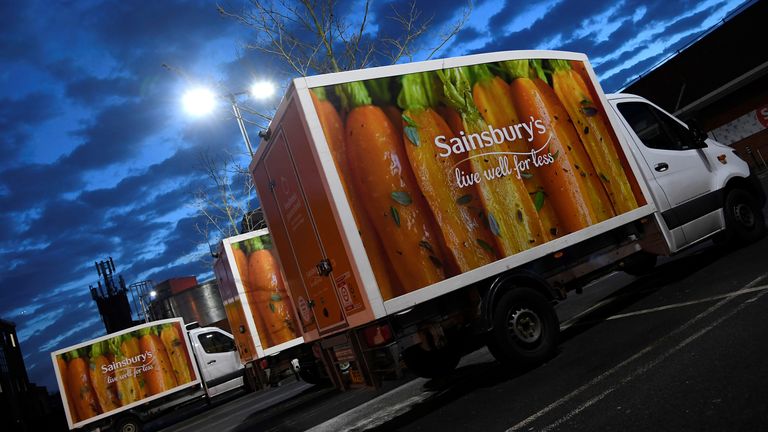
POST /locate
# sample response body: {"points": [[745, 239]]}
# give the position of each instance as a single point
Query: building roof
{"points": [[729, 56]]}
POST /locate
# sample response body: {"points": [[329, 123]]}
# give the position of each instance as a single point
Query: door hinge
{"points": [[324, 267]]}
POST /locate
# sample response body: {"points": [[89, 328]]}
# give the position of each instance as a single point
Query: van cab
{"points": [[699, 186]]}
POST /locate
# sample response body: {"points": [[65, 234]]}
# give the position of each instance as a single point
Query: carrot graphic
{"points": [[241, 261], [393, 201], [79, 381], [127, 385], [592, 126], [130, 349], [175, 347], [468, 241], [493, 98], [269, 296], [510, 211], [103, 382], [61, 360], [333, 129], [159, 377], [570, 180]]}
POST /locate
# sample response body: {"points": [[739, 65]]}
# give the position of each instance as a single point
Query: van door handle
{"points": [[211, 362], [661, 167]]}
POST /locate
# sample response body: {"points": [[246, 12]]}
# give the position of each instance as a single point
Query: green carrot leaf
{"points": [[483, 244], [402, 197], [494, 225], [395, 215], [538, 200], [464, 199], [412, 134]]}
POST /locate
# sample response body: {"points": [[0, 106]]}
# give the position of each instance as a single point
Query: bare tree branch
{"points": [[312, 36]]}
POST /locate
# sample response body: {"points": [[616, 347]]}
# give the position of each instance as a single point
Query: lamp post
{"points": [[145, 304], [201, 101]]}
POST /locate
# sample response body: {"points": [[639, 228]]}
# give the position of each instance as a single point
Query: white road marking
{"points": [[639, 354], [379, 410], [641, 370], [689, 303]]}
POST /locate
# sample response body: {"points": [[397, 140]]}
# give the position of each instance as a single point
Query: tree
{"points": [[225, 206], [308, 36], [314, 36]]}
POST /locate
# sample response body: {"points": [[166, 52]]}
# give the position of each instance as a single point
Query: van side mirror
{"points": [[699, 136]]}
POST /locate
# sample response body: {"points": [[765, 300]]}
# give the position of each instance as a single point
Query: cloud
{"points": [[19, 117]]}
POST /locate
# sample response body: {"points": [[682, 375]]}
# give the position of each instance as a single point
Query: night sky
{"points": [[97, 158]]}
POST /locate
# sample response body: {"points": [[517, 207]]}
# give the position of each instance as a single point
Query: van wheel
{"points": [[128, 424], [525, 329], [744, 220], [431, 364]]}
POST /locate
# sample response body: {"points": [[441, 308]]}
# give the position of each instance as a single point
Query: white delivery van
{"points": [[421, 210]]}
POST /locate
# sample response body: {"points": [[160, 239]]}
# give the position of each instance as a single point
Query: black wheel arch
{"points": [[505, 282], [751, 185]]}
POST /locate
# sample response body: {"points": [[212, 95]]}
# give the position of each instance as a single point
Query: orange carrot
{"points": [[569, 180], [68, 395], [333, 129], [241, 261], [102, 379], [128, 387], [129, 347], [596, 134], [393, 201], [268, 296], [177, 353], [468, 242], [493, 98], [159, 376], [510, 211], [79, 381]]}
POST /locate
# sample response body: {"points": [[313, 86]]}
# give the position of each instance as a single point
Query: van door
{"points": [[219, 363], [679, 167], [310, 257]]}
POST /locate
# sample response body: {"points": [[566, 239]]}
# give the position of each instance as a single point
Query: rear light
{"points": [[377, 335], [264, 364]]}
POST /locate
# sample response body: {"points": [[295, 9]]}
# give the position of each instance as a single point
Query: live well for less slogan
{"points": [[449, 170], [124, 369]]}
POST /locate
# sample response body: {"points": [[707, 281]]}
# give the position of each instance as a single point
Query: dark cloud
{"points": [[116, 134], [93, 91], [467, 34], [18, 117], [16, 42], [48, 266], [29, 186], [129, 29]]}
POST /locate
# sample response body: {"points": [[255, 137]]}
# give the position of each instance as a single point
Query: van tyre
{"points": [[525, 329], [435, 363], [744, 219], [128, 424]]}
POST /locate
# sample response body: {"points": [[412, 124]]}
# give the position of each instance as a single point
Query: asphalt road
{"points": [[684, 348]]}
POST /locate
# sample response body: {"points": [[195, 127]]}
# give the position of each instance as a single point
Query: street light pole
{"points": [[241, 123]]}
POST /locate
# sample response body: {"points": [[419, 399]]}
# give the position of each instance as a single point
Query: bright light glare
{"points": [[153, 294], [262, 90], [199, 101]]}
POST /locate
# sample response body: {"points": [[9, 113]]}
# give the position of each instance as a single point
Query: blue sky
{"points": [[97, 158]]}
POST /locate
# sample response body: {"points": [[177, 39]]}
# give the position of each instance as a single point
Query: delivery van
{"points": [[260, 311], [126, 378], [420, 211]]}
